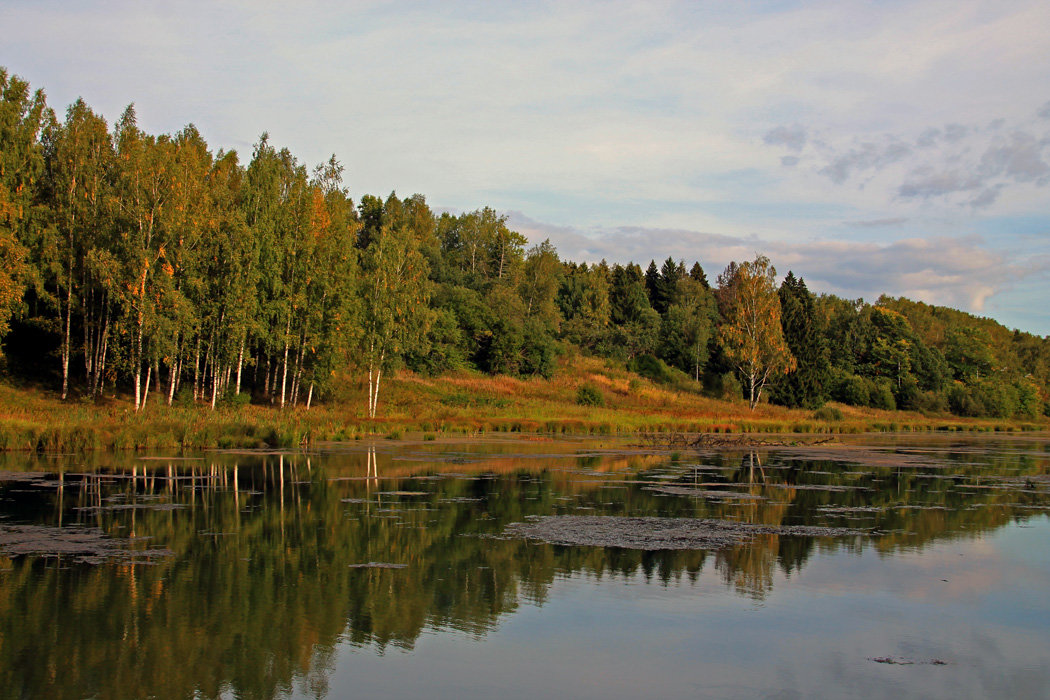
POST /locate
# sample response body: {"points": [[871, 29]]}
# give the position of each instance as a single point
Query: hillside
{"points": [[458, 404]]}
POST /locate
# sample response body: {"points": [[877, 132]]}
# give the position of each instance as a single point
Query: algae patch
{"points": [[649, 533]]}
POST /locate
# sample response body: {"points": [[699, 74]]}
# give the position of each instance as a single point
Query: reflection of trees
{"points": [[261, 587]]}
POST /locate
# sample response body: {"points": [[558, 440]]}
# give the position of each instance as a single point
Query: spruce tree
{"points": [[653, 285], [697, 273], [805, 335]]}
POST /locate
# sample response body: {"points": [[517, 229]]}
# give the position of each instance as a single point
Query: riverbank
{"points": [[588, 397]]}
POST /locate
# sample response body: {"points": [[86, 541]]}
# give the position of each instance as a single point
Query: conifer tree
{"points": [[806, 337]]}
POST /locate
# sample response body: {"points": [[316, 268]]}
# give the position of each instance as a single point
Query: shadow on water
{"points": [[243, 572]]}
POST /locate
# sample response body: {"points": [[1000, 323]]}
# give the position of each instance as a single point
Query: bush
{"points": [[930, 402], [184, 397], [651, 368], [233, 400], [1029, 403], [588, 395], [853, 390], [882, 396], [727, 386], [827, 413], [961, 402]]}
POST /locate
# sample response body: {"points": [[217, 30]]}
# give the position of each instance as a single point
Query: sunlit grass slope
{"points": [[613, 401]]}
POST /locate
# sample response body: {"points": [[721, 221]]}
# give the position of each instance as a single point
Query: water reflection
{"points": [[272, 561]]}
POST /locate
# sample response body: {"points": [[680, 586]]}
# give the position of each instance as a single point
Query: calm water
{"points": [[358, 572]]}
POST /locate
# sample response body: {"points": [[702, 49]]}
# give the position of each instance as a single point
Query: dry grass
{"points": [[461, 403]]}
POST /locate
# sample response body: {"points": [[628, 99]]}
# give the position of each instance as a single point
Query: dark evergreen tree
{"points": [[654, 285], [805, 334], [697, 273], [665, 294]]}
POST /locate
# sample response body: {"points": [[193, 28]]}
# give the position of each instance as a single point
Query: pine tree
{"points": [[654, 286], [806, 337], [697, 273]]}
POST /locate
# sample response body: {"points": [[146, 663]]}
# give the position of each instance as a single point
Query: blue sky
{"points": [[871, 147]]}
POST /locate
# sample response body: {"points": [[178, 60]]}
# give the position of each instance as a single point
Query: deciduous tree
{"points": [[751, 333]]}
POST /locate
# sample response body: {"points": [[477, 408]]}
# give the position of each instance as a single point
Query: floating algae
{"points": [[648, 533], [86, 545]]}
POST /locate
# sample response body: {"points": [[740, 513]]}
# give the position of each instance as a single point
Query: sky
{"points": [[870, 147]]}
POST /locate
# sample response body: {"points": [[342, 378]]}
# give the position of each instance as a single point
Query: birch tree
{"points": [[22, 115], [145, 169], [395, 304], [76, 258], [751, 333]]}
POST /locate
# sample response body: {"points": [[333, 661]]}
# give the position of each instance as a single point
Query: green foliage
{"points": [[827, 413], [852, 389], [588, 395], [806, 336], [134, 259], [651, 368], [232, 400], [751, 332], [723, 386], [882, 395]]}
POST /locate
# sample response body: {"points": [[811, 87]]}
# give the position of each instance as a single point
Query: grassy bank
{"points": [[587, 396]]}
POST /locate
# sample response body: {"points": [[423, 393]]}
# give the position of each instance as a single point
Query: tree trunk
{"points": [[240, 365], [65, 338], [171, 383], [197, 369], [284, 373], [145, 391]]}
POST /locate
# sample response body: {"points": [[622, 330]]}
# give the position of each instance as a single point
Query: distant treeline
{"points": [[153, 265]]}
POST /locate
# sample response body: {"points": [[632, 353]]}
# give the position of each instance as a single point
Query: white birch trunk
{"points": [[145, 391], [240, 365]]}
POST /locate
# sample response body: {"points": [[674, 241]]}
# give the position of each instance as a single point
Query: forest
{"points": [[151, 266]]}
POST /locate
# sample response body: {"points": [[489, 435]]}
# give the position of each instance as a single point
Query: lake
{"points": [[871, 566]]}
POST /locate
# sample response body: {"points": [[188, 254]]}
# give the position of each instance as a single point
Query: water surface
{"points": [[384, 569]]}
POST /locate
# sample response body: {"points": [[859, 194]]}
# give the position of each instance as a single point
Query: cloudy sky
{"points": [[871, 147]]}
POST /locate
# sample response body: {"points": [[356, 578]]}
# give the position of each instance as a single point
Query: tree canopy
{"points": [[156, 266]]}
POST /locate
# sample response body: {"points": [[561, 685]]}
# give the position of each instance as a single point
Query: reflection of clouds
{"points": [[941, 574]]}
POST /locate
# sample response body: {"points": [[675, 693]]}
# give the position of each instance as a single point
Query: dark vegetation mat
{"points": [[656, 533], [86, 545]]}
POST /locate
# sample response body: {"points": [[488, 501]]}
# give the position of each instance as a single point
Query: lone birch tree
{"points": [[751, 334], [395, 304]]}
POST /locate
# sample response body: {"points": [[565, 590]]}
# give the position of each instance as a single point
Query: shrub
{"points": [[882, 396], [853, 390], [961, 402], [827, 413], [588, 395], [723, 386], [184, 397], [930, 402], [651, 368], [233, 400]]}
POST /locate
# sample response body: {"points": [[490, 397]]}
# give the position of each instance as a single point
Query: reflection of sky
{"points": [[781, 125], [814, 635]]}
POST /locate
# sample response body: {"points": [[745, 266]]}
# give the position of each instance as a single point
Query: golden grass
{"points": [[459, 403]]}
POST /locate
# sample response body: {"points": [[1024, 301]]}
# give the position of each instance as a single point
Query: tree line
{"points": [[151, 264]]}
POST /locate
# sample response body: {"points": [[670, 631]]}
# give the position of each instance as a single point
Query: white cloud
{"points": [[962, 273], [782, 121]]}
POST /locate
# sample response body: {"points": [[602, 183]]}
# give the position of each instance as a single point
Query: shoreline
{"points": [[463, 405]]}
